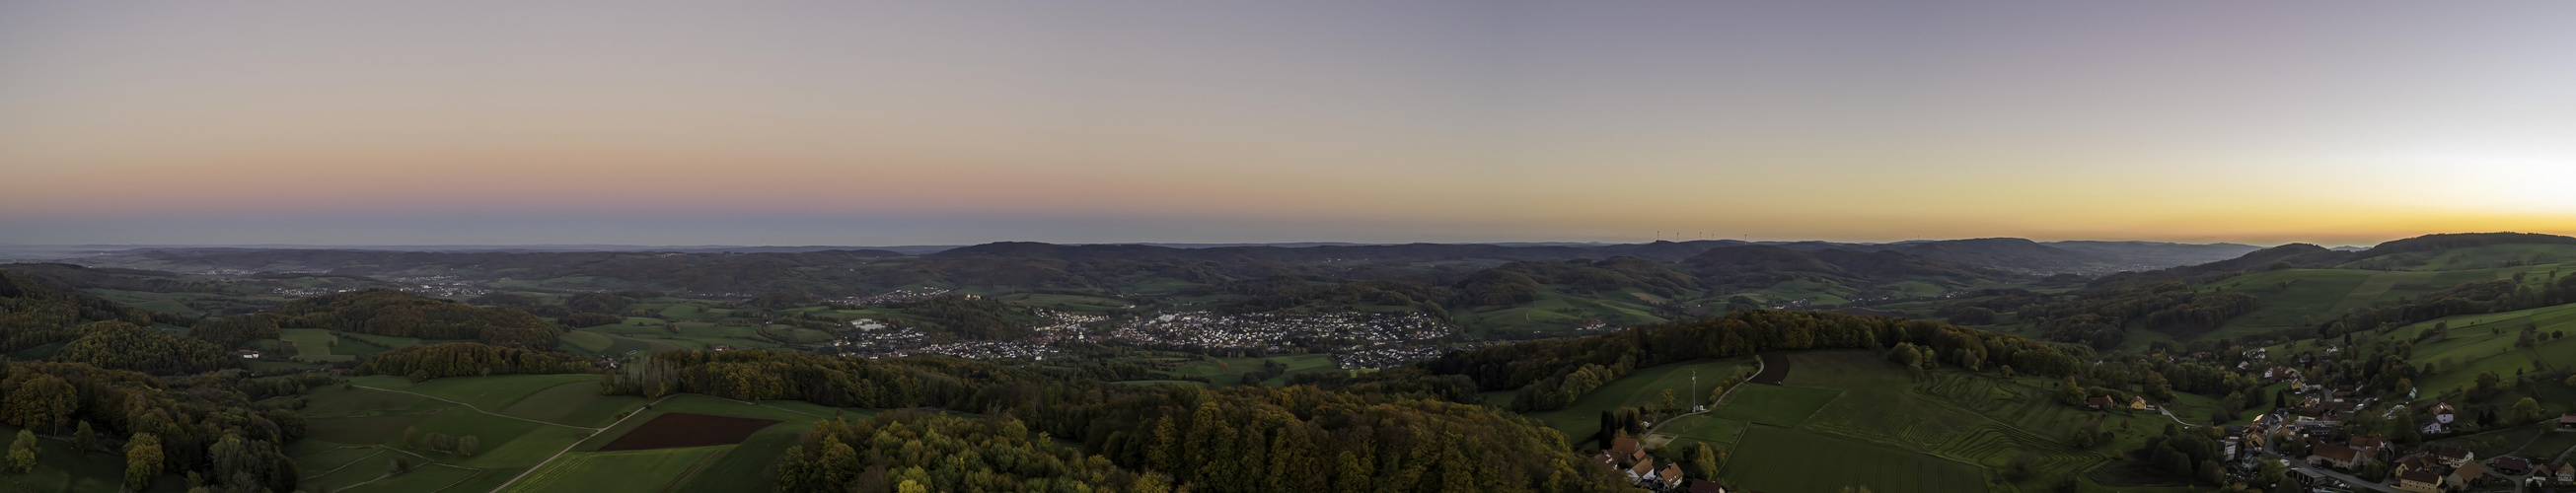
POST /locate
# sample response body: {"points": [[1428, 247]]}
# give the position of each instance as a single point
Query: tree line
{"points": [[458, 359], [1239, 439], [202, 426]]}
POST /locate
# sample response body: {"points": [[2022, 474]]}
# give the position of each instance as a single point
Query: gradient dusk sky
{"points": [[938, 122]]}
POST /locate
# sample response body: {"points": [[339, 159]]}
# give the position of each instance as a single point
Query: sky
{"points": [[869, 123]]}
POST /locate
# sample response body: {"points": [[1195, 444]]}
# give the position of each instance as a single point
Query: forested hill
{"points": [[34, 312]]}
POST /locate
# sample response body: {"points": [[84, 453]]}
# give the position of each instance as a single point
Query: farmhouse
{"points": [[2341, 457], [2138, 403], [2560, 473], [2512, 466], [2567, 421], [2442, 413], [2419, 481], [1644, 469], [2371, 447], [2454, 456], [2098, 403], [1671, 474], [2468, 474], [246, 354], [1706, 486]]}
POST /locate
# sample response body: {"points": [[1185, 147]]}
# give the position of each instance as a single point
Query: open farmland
{"points": [[1783, 459]]}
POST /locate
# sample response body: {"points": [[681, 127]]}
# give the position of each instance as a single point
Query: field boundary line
{"points": [[342, 466], [576, 443], [480, 410]]}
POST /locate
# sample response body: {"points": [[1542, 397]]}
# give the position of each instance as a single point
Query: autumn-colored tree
{"points": [[22, 452], [142, 460]]}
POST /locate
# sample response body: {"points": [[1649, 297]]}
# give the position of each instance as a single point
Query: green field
{"points": [[1644, 388], [354, 433], [1774, 405], [624, 470], [313, 344], [1784, 459]]}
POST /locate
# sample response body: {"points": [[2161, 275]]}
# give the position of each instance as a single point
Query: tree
{"points": [[400, 465], [440, 441], [468, 445], [84, 438], [909, 486], [2527, 411], [22, 453], [142, 460], [2070, 394], [1670, 403], [1708, 458], [38, 401]]}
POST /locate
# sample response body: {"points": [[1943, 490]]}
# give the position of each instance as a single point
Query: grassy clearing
{"points": [[313, 344], [1784, 459], [1644, 388]]}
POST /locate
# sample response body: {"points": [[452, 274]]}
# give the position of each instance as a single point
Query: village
{"points": [[1316, 332], [2306, 440]]}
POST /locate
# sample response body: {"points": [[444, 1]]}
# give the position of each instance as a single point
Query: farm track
{"points": [[576, 443]]}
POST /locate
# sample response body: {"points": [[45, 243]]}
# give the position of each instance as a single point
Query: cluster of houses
{"points": [[1625, 456], [1335, 331], [2428, 469]]}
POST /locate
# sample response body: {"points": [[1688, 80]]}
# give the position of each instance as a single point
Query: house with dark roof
{"points": [[2098, 403], [2337, 456], [2419, 481], [2453, 456], [1706, 486], [2511, 466], [2567, 421]]}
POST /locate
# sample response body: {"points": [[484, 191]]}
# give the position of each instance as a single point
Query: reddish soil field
{"points": [[1774, 369], [674, 430]]}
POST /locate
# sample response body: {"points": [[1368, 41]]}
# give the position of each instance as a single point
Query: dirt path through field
{"points": [[575, 443]]}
